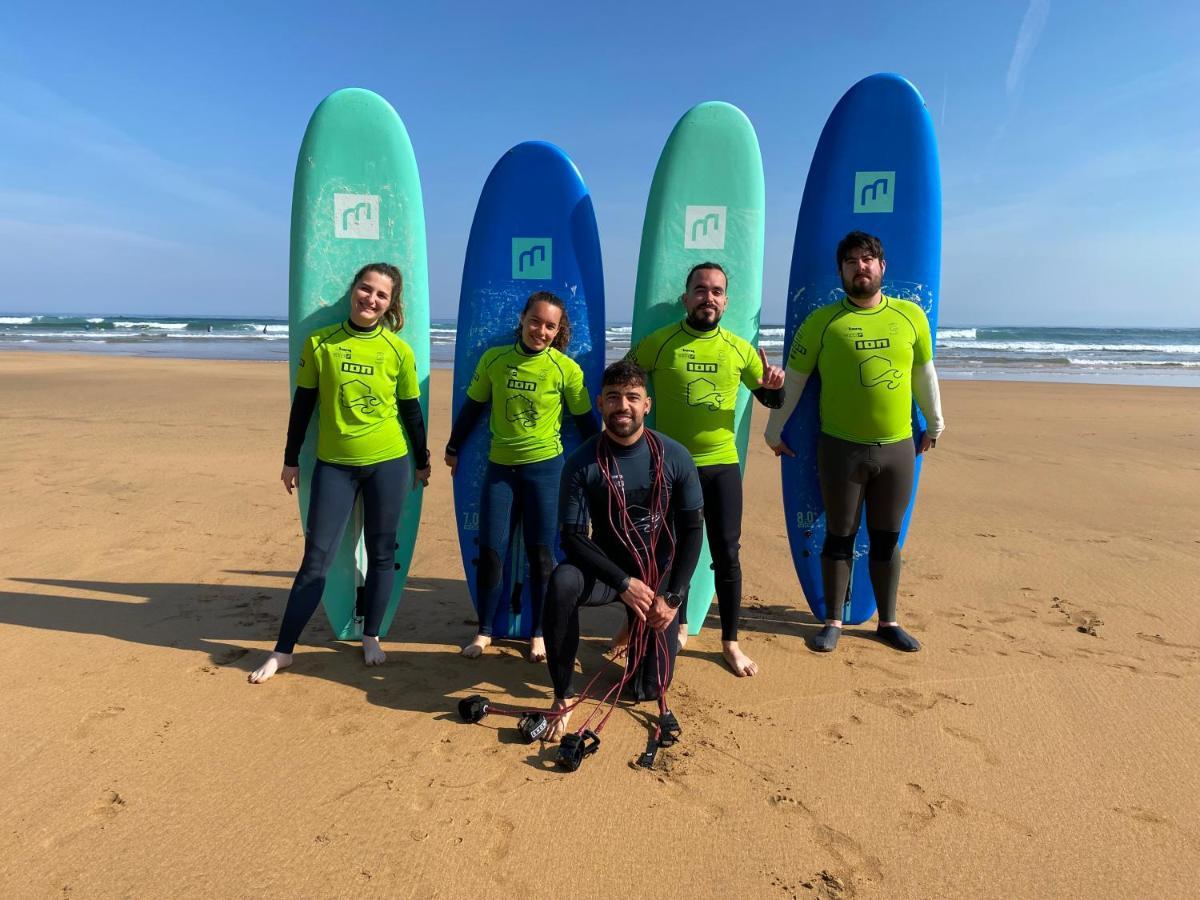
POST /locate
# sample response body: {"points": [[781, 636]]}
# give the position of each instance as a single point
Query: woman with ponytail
{"points": [[527, 383]]}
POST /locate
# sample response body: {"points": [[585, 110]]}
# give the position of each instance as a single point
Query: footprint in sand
{"points": [[963, 735], [907, 702], [109, 805], [89, 722]]}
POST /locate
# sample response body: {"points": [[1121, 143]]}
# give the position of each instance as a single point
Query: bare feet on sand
{"points": [[558, 726], [274, 663], [741, 664], [475, 648], [619, 641], [373, 654], [537, 649]]}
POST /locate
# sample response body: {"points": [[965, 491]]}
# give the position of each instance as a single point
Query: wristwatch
{"points": [[673, 599]]}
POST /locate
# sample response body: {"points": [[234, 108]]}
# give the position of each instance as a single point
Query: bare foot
{"points": [[620, 640], [683, 636], [537, 649], [373, 654], [274, 663], [558, 726], [741, 664], [475, 648]]}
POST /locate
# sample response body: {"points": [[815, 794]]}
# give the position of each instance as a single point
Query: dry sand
{"points": [[1044, 743]]}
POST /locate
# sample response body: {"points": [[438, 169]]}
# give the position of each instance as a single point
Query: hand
{"points": [[660, 615], [452, 462], [781, 449], [638, 597], [927, 443], [773, 376], [422, 476], [290, 476]]}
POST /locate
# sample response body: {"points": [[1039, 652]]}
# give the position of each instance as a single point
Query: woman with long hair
{"points": [[371, 442], [527, 383]]}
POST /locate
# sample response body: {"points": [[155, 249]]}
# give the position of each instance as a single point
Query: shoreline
{"points": [[1118, 377]]}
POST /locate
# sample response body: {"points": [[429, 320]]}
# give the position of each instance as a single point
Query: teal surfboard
{"points": [[356, 200], [706, 204]]}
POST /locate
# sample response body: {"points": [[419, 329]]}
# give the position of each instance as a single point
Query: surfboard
{"points": [[534, 230], [875, 169], [356, 200], [707, 203]]}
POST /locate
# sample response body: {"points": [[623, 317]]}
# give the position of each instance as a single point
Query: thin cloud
{"points": [[34, 110], [1032, 26]]}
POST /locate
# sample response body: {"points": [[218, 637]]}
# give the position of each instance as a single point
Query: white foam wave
{"points": [[1116, 363], [97, 320], [948, 334], [163, 325], [16, 320], [1060, 347]]}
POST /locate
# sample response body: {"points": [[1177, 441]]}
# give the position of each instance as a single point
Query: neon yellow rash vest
{"points": [[695, 376], [865, 358], [527, 392], [358, 376]]}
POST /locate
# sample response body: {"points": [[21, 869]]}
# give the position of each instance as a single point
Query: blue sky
{"points": [[147, 150]]}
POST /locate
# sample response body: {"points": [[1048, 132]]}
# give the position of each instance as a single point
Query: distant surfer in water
{"points": [[696, 368], [874, 354], [363, 377], [528, 383], [631, 516]]}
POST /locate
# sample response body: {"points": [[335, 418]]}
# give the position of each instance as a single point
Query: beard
{"points": [[622, 427], [861, 290], [705, 318]]}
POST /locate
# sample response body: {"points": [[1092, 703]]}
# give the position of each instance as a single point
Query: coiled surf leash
{"points": [[574, 747]]}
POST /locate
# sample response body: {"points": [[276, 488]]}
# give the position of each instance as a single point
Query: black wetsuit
{"points": [[598, 565]]}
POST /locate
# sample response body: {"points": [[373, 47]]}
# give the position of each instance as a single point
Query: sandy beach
{"points": [[1043, 744]]}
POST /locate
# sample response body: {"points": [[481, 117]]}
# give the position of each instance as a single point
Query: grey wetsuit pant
{"points": [[881, 477]]}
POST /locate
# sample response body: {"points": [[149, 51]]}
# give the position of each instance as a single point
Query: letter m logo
{"points": [[532, 258], [704, 227], [356, 216], [874, 192]]}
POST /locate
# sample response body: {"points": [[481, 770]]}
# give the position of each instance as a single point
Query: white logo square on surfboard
{"points": [[704, 228], [356, 216]]}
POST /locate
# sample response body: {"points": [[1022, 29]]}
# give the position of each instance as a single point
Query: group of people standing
{"points": [[629, 504]]}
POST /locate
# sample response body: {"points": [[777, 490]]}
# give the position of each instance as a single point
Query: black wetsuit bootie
{"points": [[895, 636], [826, 639]]}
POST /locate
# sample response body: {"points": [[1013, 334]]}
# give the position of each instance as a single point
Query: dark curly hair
{"points": [[563, 336]]}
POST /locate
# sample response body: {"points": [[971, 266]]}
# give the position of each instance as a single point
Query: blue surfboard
{"points": [[875, 169], [534, 230]]}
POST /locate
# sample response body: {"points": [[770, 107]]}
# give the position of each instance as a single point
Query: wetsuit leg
{"points": [[887, 496], [384, 491], [721, 486], [657, 668], [539, 516], [330, 501], [569, 589], [843, 476], [495, 526]]}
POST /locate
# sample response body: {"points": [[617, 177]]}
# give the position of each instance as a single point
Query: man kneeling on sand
{"points": [[639, 492]]}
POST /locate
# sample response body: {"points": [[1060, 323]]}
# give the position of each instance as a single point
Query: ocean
{"points": [[1100, 355]]}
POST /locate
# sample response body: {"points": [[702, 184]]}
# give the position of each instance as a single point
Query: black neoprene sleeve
{"points": [[409, 411], [771, 398], [689, 536], [467, 417], [304, 401], [588, 423], [587, 556]]}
